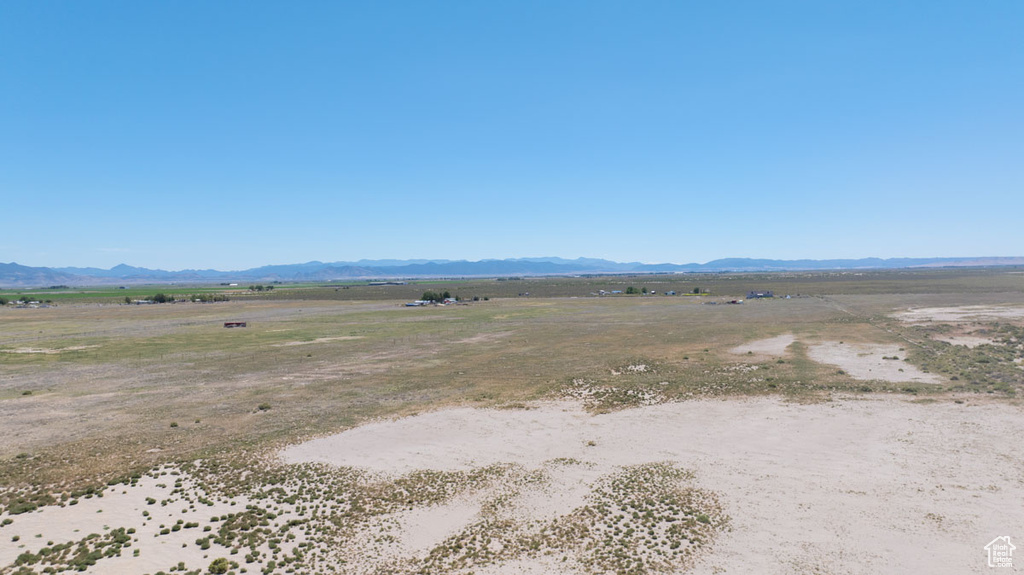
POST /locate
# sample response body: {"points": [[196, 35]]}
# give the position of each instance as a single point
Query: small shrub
{"points": [[219, 565]]}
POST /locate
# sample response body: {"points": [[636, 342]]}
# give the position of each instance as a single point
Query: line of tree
{"points": [[208, 297], [261, 288]]}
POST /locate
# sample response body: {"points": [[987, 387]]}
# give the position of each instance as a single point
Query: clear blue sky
{"points": [[229, 135]]}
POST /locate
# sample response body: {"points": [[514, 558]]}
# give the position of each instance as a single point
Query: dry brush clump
{"points": [[996, 367], [74, 556], [310, 518], [640, 519], [604, 397], [707, 378]]}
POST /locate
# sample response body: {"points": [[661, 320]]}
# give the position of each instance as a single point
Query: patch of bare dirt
{"points": [[867, 361], [773, 346], [48, 351], [318, 340], [967, 313], [830, 484], [824, 487]]}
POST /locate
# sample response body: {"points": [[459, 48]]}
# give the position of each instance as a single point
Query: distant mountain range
{"points": [[15, 275]]}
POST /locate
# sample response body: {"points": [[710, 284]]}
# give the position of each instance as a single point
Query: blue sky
{"points": [[235, 134]]}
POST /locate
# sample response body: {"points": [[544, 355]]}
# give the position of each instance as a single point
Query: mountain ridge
{"points": [[16, 275]]}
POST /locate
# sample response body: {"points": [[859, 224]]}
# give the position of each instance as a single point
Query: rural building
{"points": [[759, 294]]}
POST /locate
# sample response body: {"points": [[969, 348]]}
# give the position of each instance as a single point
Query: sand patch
{"points": [[806, 485], [318, 340], [566, 486], [452, 440], [971, 313], [773, 346], [415, 532], [154, 504], [867, 362], [827, 487], [48, 351]]}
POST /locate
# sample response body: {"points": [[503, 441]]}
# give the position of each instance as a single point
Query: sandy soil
{"points": [[865, 361], [773, 346], [961, 313], [875, 485], [852, 486], [123, 506], [860, 361], [318, 340], [46, 350]]}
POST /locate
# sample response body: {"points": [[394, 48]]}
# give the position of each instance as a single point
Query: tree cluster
{"points": [[435, 296]]}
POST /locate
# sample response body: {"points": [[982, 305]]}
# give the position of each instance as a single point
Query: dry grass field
{"points": [[557, 432]]}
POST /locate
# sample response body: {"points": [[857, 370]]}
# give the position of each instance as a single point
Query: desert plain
{"points": [[867, 423]]}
